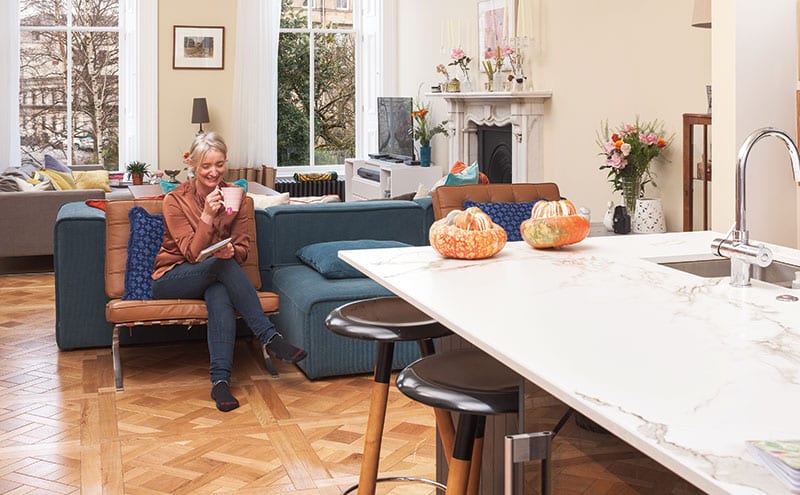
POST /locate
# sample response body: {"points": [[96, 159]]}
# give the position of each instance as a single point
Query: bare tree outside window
{"points": [[69, 52]]}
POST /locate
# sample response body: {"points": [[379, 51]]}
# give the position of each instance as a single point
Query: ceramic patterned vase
{"points": [[649, 216]]}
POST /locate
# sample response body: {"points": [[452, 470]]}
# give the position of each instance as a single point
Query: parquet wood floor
{"points": [[64, 429]]}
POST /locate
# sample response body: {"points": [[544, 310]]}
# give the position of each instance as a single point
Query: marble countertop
{"points": [[684, 368]]}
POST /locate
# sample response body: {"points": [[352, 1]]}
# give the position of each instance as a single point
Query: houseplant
{"points": [[137, 171], [628, 151], [423, 133]]}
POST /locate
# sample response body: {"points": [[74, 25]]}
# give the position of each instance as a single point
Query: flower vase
{"points": [[499, 81], [466, 83], [489, 83], [425, 155], [631, 187]]}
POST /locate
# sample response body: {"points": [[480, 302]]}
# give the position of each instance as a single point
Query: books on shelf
{"points": [[782, 458]]}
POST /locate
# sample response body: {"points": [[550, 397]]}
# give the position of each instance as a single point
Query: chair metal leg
{"points": [[116, 359]]}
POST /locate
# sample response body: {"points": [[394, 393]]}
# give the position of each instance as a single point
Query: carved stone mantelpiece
{"points": [[523, 110]]}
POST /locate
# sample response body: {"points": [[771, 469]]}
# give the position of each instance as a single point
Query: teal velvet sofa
{"points": [[306, 296]]}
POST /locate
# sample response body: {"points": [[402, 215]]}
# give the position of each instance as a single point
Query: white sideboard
{"points": [[393, 179]]}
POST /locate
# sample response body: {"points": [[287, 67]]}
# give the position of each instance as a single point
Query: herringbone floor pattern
{"points": [[63, 428]]}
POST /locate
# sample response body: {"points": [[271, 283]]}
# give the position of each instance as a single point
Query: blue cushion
{"points": [[507, 215], [147, 234], [167, 186], [467, 176], [323, 256], [241, 183], [51, 163]]}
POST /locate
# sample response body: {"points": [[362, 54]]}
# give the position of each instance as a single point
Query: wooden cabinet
{"points": [[696, 171], [379, 179]]}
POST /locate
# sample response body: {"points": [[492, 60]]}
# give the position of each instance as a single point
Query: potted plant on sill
{"points": [[137, 171]]}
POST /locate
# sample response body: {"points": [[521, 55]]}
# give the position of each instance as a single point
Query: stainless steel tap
{"points": [[738, 247]]}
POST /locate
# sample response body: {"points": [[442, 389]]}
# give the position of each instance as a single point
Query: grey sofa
{"points": [[27, 219], [306, 296]]}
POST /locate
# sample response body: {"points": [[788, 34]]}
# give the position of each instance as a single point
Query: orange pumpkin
{"points": [[473, 218], [554, 224], [469, 234]]}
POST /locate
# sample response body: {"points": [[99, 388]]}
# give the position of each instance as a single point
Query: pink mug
{"points": [[232, 198]]}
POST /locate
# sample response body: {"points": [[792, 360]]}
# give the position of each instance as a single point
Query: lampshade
{"points": [[200, 111], [702, 14]]}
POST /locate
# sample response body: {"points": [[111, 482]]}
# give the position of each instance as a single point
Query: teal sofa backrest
{"points": [[282, 230]]}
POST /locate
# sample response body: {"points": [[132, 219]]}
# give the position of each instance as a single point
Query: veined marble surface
{"points": [[684, 368]]}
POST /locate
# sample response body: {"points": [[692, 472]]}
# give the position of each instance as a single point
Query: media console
{"points": [[381, 179]]}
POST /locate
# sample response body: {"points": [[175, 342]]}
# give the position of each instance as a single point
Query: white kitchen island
{"points": [[683, 368]]}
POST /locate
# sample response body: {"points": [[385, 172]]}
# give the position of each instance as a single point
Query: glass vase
{"points": [[466, 83], [631, 188]]}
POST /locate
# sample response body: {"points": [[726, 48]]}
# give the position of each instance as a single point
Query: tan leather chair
{"points": [[128, 313], [449, 198]]}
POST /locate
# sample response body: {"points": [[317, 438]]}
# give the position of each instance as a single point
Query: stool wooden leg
{"points": [[377, 415], [474, 485], [458, 475], [444, 420]]}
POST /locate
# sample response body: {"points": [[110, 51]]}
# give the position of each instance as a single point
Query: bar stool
{"points": [[475, 385], [386, 320]]}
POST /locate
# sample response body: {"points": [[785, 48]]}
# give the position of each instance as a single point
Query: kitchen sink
{"points": [[777, 273]]}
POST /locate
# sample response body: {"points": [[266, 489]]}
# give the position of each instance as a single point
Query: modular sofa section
{"points": [[307, 297]]}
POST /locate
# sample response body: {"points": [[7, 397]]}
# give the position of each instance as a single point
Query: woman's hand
{"points": [[226, 252], [212, 205]]}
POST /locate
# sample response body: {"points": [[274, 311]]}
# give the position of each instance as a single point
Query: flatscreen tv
{"points": [[394, 127]]}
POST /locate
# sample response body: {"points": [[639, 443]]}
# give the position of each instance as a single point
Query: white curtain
{"points": [[9, 84], [254, 141]]}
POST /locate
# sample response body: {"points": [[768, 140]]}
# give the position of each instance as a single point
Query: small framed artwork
{"points": [[495, 21], [198, 47]]}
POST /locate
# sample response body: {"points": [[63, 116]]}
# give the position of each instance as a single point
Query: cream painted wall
{"points": [[614, 60], [177, 88], [755, 65]]}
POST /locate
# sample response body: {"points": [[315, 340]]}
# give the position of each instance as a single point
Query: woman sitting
{"points": [[195, 219]]}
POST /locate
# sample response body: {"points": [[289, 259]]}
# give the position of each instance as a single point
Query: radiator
{"points": [[297, 189]]}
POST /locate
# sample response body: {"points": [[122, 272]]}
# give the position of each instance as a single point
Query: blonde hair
{"points": [[202, 144]]}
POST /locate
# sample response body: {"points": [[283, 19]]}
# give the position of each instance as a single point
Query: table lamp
{"points": [[200, 113]]}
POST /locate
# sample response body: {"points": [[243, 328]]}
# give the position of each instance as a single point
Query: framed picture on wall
{"points": [[198, 47], [495, 21]]}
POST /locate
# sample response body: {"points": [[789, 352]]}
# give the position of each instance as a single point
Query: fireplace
{"points": [[475, 115], [494, 153]]}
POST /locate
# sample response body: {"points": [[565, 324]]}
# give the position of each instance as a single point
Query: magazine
{"points": [[782, 457], [205, 253]]}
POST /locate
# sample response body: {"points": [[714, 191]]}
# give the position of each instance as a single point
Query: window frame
{"points": [[310, 30], [137, 32]]}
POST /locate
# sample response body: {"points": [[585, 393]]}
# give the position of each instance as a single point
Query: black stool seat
{"points": [[383, 319], [386, 321], [462, 381]]}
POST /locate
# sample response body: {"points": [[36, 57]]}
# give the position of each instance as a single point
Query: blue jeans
{"points": [[225, 287]]}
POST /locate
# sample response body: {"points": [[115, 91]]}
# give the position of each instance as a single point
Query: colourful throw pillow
{"points": [[51, 163], [100, 204], [507, 215], [267, 200], [324, 256], [467, 176], [167, 186], [62, 181], [147, 234], [92, 179]]}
